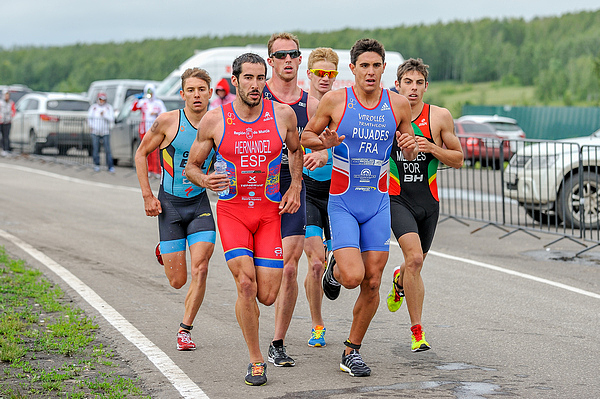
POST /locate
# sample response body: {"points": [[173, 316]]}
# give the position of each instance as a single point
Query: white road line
{"points": [[186, 387], [67, 178], [518, 274]]}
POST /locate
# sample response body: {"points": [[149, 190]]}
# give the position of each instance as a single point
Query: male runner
{"points": [[360, 122], [322, 70], [413, 192], [249, 134], [284, 59], [182, 208]]}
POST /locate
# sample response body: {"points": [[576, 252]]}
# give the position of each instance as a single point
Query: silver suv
{"points": [[57, 120]]}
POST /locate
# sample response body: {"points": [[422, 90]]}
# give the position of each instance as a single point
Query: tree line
{"points": [[560, 56]]}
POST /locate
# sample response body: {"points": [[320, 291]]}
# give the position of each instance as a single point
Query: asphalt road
{"points": [[505, 317]]}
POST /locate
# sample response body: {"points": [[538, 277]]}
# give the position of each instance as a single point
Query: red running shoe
{"points": [[184, 341]]}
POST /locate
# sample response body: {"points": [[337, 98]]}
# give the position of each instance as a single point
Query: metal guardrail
{"points": [[544, 186]]}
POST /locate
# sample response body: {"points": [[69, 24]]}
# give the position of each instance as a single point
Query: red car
{"points": [[481, 143]]}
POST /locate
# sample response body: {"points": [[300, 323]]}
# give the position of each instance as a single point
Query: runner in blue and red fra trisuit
{"points": [[360, 122]]}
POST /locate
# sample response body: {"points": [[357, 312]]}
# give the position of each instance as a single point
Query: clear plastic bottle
{"points": [[221, 169]]}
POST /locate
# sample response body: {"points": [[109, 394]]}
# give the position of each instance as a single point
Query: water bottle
{"points": [[221, 169]]}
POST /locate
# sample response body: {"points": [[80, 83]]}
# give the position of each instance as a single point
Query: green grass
{"points": [[47, 348]]}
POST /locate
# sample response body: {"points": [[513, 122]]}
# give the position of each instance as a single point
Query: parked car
{"points": [[117, 90], [558, 181], [481, 143], [124, 137], [56, 120], [16, 91]]}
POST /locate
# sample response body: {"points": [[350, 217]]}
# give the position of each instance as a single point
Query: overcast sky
{"points": [[63, 22]]}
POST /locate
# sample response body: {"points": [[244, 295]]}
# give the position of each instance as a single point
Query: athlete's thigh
{"points": [[293, 224], [374, 262], [171, 231], [200, 252], [427, 228], [201, 226], [375, 232], [235, 233], [345, 231], [268, 246], [403, 221]]}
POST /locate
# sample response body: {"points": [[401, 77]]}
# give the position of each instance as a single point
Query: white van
{"points": [[217, 62], [117, 90]]}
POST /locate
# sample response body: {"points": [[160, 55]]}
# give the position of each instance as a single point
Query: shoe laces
{"points": [[355, 358], [185, 337], [258, 369], [318, 332], [417, 332]]}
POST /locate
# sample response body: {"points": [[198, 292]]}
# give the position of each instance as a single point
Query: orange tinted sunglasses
{"points": [[322, 72]]}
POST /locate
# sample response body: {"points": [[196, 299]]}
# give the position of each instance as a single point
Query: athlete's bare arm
{"points": [[210, 132], [152, 140], [405, 136], [286, 122], [314, 159], [317, 134], [448, 151]]}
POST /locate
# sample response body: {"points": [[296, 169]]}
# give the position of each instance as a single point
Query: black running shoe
{"points": [[352, 363], [279, 358], [331, 287], [257, 374]]}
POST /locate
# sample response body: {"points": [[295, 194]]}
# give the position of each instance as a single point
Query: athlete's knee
{"points": [[178, 281], [414, 262], [316, 267], [290, 271], [352, 280], [200, 271], [247, 287], [267, 298]]}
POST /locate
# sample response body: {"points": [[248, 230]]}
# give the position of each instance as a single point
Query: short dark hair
{"points": [[412, 64], [195, 73], [250, 58], [364, 46]]}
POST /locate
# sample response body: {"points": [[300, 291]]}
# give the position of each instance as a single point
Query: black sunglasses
{"points": [[281, 54]]}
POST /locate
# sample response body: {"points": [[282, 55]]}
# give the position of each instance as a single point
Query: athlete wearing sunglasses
{"points": [[283, 87]]}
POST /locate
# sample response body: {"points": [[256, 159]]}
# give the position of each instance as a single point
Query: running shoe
{"points": [[317, 337], [396, 295], [158, 255], [257, 374], [331, 287], [418, 339], [184, 341], [279, 358], [353, 364]]}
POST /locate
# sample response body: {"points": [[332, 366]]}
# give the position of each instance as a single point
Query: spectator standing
{"points": [[7, 112], [151, 107], [224, 96], [100, 118]]}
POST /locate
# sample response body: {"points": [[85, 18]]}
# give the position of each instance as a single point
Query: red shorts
{"points": [[255, 233]]}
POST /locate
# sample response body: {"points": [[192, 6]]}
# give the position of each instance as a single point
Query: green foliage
{"points": [[559, 55]]}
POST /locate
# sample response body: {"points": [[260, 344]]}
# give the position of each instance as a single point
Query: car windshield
{"points": [[505, 127], [165, 86], [67, 105]]}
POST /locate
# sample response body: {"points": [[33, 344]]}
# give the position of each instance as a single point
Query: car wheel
{"points": [[576, 197], [541, 217]]}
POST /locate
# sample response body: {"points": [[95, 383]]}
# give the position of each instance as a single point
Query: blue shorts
{"points": [[369, 231], [184, 219]]}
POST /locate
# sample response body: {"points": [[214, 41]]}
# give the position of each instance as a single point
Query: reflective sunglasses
{"points": [[281, 54], [323, 72]]}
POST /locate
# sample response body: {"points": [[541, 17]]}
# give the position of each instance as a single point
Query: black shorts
{"points": [[413, 219], [293, 224], [184, 219]]}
